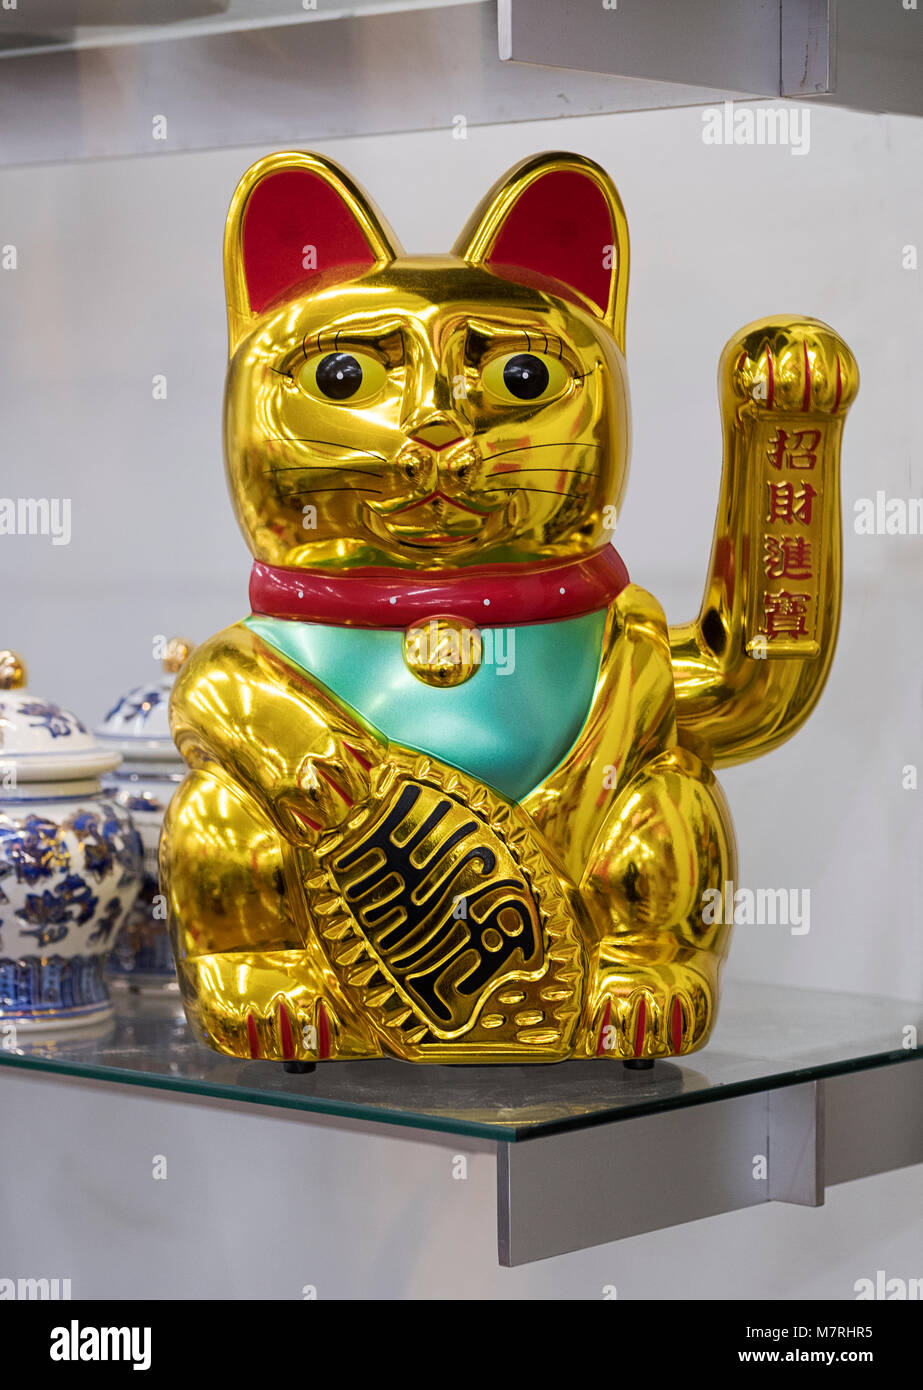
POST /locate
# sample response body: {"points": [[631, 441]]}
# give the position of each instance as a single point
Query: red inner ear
{"points": [[285, 213], [559, 227]]}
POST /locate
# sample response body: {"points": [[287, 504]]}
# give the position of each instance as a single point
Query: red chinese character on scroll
{"points": [[787, 557], [786, 614], [788, 505], [795, 450]]}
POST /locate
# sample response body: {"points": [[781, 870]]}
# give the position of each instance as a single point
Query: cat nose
{"points": [[438, 434]]}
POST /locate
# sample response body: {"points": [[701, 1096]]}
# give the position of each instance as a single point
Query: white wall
{"points": [[119, 279]]}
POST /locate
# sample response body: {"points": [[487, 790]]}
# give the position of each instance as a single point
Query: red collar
{"points": [[486, 595]]}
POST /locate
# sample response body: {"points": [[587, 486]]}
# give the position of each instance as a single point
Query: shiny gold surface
{"points": [[332, 894], [386, 488], [13, 674], [753, 665], [260, 881], [443, 651]]}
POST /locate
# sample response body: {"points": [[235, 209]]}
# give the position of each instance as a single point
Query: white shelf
{"points": [[257, 74]]}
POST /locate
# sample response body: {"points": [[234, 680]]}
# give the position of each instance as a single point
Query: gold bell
{"points": [[442, 651]]}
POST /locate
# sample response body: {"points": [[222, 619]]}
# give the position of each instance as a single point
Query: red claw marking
{"points": [[839, 383], [676, 1028], [601, 1045], [253, 1036], [640, 1027], [363, 762], [806, 403], [336, 787], [285, 1029], [305, 820], [323, 1031], [771, 385]]}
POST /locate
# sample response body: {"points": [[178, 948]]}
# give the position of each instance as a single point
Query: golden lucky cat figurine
{"points": [[451, 795]]}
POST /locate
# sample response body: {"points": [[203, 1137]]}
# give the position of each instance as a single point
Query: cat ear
{"points": [[556, 217], [294, 218]]}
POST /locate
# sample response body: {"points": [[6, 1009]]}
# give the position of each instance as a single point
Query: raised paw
{"points": [[654, 1011], [796, 366], [327, 790]]}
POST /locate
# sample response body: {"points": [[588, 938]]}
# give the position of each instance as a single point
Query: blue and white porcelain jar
{"points": [[137, 727], [70, 862]]}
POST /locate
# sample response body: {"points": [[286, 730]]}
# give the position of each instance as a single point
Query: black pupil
{"points": [[339, 376], [525, 376]]}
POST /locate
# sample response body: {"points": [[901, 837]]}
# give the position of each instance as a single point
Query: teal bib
{"points": [[508, 725]]}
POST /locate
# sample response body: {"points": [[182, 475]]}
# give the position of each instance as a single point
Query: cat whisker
{"points": [[521, 487], [527, 448], [331, 443], [325, 468], [578, 472], [309, 491]]}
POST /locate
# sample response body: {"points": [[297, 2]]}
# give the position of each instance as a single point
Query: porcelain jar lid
{"points": [[40, 741], [138, 724]]}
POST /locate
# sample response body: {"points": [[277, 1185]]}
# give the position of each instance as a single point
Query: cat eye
{"points": [[352, 377], [525, 376]]}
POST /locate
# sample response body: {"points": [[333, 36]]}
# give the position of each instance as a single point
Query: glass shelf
{"points": [[258, 73], [767, 1037], [91, 79], [76, 24]]}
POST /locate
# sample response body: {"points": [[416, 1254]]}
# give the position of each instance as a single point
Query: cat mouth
{"points": [[435, 520]]}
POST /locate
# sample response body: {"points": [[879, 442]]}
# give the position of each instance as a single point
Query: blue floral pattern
{"points": [[106, 921], [107, 843], [36, 849], [65, 887], [143, 801], [58, 722], [137, 704], [48, 913]]}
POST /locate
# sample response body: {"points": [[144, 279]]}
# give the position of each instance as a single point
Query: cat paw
{"points": [[289, 1032], [326, 793], [790, 365], [653, 1012], [281, 1030], [274, 1006]]}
